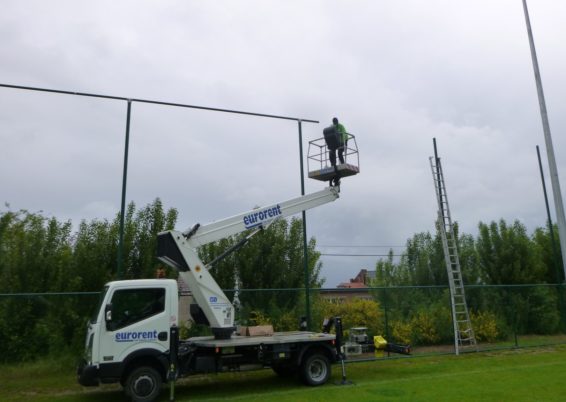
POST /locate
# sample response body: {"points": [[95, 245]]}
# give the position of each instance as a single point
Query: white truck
{"points": [[133, 337]]}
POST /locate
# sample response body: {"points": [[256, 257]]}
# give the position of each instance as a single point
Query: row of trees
{"points": [[499, 268], [502, 254]]}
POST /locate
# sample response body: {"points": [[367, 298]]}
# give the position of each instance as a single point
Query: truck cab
{"points": [[131, 322], [133, 339]]}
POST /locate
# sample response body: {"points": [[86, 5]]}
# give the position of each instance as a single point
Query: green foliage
{"points": [[141, 235], [273, 259], [551, 253], [288, 321], [485, 326], [41, 255], [282, 320], [401, 332], [388, 273], [426, 325], [424, 329], [190, 329], [356, 313], [508, 256], [96, 246], [502, 254], [543, 317], [259, 318]]}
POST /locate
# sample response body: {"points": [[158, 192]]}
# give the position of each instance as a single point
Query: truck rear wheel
{"points": [[315, 369], [143, 384]]}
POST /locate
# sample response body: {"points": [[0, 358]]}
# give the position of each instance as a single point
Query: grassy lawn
{"points": [[533, 374]]}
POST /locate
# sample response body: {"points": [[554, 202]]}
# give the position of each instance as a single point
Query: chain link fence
{"points": [[44, 324]]}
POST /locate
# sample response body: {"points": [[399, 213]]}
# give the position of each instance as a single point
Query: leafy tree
{"points": [[94, 254], [387, 273], [355, 313], [273, 259], [35, 257], [551, 254], [507, 255], [40, 255], [146, 224]]}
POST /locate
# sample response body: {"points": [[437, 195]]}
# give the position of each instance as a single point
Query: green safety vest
{"points": [[342, 132]]}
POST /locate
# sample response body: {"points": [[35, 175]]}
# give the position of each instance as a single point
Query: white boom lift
{"points": [[179, 250], [133, 337]]}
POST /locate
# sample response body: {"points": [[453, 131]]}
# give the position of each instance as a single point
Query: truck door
{"points": [[136, 318]]}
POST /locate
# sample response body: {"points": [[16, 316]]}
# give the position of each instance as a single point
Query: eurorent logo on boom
{"points": [[257, 218], [133, 336]]}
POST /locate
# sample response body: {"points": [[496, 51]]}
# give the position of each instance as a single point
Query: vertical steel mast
{"points": [[557, 193]]}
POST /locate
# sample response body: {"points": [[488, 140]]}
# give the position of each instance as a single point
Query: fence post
{"points": [[385, 308], [516, 319]]}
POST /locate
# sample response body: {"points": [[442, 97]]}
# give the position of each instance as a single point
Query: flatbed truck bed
{"points": [[308, 354], [276, 338]]}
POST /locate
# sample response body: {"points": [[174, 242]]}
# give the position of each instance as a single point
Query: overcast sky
{"points": [[396, 73]]}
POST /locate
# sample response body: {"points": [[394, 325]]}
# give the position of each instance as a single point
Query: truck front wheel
{"points": [[143, 384], [315, 369]]}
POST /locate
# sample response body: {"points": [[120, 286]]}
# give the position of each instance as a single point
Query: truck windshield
{"points": [[95, 314]]}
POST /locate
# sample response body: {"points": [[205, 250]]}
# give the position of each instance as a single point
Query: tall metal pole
{"points": [[550, 228], [437, 163], [557, 193], [305, 249], [123, 205]]}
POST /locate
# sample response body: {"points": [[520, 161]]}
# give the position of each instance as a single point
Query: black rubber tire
{"points": [[315, 369], [285, 371], [143, 384]]}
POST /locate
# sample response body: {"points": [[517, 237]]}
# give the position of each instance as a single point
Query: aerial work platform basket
{"points": [[318, 161]]}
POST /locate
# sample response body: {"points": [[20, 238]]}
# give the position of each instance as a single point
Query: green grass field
{"points": [[531, 374]]}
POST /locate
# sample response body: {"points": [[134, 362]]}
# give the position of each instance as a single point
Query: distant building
{"points": [[357, 288], [364, 276]]}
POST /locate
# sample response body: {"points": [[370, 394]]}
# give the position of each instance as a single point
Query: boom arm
{"points": [[260, 216], [178, 250]]}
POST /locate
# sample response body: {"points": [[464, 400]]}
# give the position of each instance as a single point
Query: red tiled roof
{"points": [[352, 285]]}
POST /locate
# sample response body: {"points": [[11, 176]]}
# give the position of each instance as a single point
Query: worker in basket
{"points": [[336, 138]]}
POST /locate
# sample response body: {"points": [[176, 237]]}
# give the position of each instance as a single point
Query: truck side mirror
{"points": [[108, 313]]}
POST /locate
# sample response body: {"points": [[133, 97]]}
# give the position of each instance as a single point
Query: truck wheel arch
{"points": [[320, 348], [145, 357]]}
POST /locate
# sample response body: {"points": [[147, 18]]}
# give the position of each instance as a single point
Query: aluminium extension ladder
{"points": [[463, 331]]}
